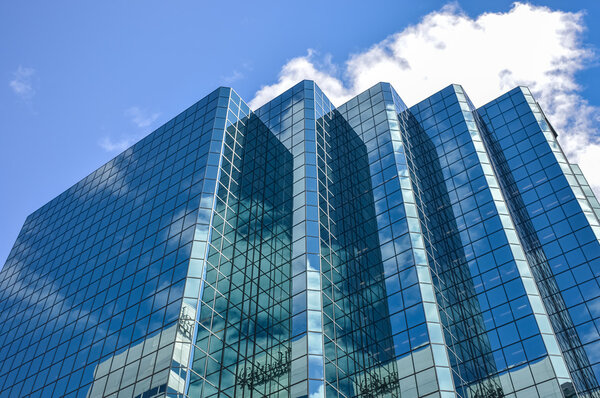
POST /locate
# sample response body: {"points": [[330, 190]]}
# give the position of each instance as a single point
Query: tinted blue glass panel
{"points": [[308, 250]]}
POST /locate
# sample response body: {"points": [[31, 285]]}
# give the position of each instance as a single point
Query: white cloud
{"points": [[300, 68], [22, 83], [140, 117], [488, 55]]}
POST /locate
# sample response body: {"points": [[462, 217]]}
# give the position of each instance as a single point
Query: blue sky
{"points": [[79, 80]]}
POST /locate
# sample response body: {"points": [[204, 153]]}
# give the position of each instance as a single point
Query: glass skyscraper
{"points": [[307, 250]]}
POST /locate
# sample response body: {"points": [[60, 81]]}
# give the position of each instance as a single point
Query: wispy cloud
{"points": [[489, 54], [22, 83], [141, 117], [120, 145], [237, 73], [234, 76]]}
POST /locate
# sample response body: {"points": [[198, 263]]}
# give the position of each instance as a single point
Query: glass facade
{"points": [[308, 250]]}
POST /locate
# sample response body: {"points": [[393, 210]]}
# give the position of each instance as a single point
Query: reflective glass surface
{"points": [[307, 250], [91, 294], [556, 215]]}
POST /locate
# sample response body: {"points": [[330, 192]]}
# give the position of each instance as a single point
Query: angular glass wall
{"points": [[385, 285], [242, 344], [556, 218], [91, 294], [303, 250], [499, 327]]}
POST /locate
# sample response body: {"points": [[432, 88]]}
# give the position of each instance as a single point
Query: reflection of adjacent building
{"points": [[393, 379], [501, 384], [144, 369], [380, 382], [261, 370], [250, 248], [355, 255]]}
